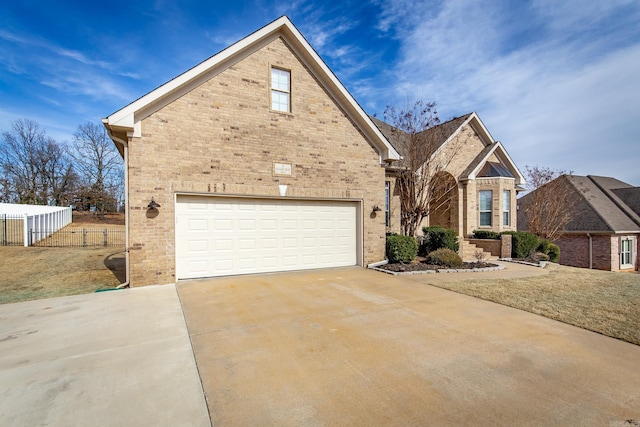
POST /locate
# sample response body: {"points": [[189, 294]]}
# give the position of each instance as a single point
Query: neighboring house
{"points": [[482, 180], [604, 227], [259, 160]]}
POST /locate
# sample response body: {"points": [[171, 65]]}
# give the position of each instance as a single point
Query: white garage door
{"points": [[226, 236]]}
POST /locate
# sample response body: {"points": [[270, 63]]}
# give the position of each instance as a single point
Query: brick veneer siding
{"points": [[458, 154], [500, 248], [471, 197], [574, 251], [222, 138]]}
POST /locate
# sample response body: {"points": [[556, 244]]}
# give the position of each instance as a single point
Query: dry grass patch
{"points": [[600, 301], [36, 273]]}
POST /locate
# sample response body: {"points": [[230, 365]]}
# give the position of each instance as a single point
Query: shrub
{"points": [[486, 234], [539, 256], [439, 237], [445, 257], [554, 253], [401, 248], [544, 246], [524, 243]]}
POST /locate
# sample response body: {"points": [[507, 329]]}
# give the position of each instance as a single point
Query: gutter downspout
{"points": [[590, 250], [125, 146]]}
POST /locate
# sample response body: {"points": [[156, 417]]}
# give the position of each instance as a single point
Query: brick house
{"points": [[604, 229], [482, 181], [262, 147]]}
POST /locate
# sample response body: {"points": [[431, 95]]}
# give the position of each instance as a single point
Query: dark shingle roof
{"points": [[436, 135], [599, 208], [630, 196]]}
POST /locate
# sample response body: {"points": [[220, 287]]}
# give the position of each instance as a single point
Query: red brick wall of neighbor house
{"points": [[574, 251], [222, 138]]}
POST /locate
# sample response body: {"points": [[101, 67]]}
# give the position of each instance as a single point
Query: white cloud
{"points": [[559, 95]]}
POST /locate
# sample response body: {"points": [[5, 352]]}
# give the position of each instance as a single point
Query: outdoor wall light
{"points": [[376, 209], [152, 204]]}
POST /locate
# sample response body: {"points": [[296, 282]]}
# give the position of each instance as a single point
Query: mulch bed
{"points": [[419, 264]]}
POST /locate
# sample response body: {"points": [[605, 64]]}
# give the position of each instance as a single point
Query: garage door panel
{"points": [[225, 236]]}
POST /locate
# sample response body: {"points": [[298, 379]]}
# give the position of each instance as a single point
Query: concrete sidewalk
{"points": [[120, 358]]}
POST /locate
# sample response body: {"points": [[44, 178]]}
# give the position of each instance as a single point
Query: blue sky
{"points": [[557, 81]]}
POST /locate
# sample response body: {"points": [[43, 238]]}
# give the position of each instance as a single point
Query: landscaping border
{"points": [[440, 270]]}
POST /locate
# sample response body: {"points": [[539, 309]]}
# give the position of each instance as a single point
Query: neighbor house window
{"points": [[280, 90], [485, 208], [506, 206], [387, 215], [626, 252]]}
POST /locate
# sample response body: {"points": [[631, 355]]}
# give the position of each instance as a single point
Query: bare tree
{"points": [[546, 209], [419, 183], [99, 165], [34, 166]]}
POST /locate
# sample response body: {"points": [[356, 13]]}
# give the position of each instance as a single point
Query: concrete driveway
{"points": [[356, 347]]}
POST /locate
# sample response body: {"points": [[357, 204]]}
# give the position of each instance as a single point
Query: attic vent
{"points": [[492, 169]]}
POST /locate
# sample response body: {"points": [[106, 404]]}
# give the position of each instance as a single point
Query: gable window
{"points": [[280, 90], [485, 207], [387, 190], [626, 253], [506, 207]]}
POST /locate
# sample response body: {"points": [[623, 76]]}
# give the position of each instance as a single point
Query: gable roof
{"points": [[437, 134], [445, 132], [599, 208], [125, 122]]}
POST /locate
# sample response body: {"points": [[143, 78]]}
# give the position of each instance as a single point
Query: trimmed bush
{"points": [[401, 248], [486, 234], [524, 244], [539, 256], [554, 253], [439, 237], [445, 257], [544, 246]]}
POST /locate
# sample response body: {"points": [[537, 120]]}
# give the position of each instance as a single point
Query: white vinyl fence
{"points": [[28, 224]]}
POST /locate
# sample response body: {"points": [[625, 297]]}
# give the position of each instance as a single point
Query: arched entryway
{"points": [[444, 201]]}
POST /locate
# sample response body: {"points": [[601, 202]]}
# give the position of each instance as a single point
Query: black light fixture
{"points": [[152, 204], [376, 209]]}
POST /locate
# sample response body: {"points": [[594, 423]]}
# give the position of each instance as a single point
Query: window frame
{"points": [[387, 202], [506, 208], [626, 253], [279, 90], [485, 211]]}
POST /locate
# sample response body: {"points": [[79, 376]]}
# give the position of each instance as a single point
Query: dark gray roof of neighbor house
{"points": [[599, 209], [630, 196], [438, 134]]}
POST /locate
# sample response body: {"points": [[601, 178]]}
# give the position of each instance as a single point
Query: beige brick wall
{"points": [[222, 138], [497, 186]]}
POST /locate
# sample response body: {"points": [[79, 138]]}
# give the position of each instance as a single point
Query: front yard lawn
{"points": [[600, 301]]}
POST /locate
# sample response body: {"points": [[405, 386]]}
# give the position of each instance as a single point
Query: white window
{"points": [[387, 190], [626, 252], [506, 207], [280, 90], [485, 208]]}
